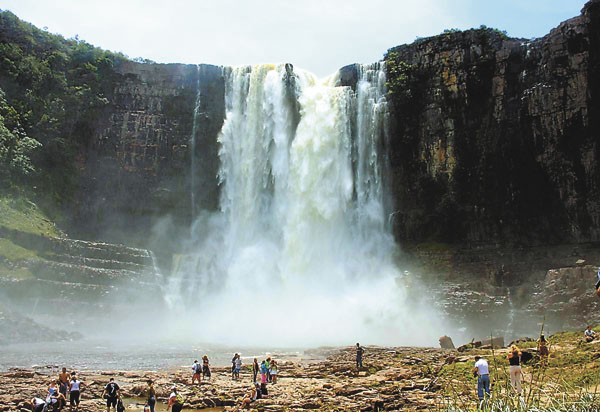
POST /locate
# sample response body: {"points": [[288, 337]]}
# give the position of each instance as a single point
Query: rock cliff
{"points": [[493, 140], [137, 166], [496, 139]]}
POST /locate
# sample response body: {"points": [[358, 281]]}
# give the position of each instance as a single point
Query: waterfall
{"points": [[301, 228], [193, 147]]}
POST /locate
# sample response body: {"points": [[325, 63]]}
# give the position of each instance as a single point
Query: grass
{"points": [[568, 381], [22, 215], [14, 273], [19, 217], [10, 251]]}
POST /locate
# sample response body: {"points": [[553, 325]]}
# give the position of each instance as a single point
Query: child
{"points": [[274, 371], [263, 372], [238, 367]]}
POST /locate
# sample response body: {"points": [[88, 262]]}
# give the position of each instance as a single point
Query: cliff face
{"points": [[493, 140], [496, 139], [137, 166]]}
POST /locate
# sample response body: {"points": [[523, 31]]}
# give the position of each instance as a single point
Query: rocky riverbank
{"points": [[399, 378], [326, 379]]}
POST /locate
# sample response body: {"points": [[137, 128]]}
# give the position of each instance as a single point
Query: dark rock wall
{"points": [[137, 167], [496, 139]]}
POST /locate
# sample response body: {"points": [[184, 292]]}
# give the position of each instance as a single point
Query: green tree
{"points": [[15, 146]]}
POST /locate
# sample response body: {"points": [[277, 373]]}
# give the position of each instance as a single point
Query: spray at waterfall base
{"points": [[300, 252]]}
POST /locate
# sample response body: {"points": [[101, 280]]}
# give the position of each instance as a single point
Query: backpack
{"points": [[120, 407], [179, 399], [197, 368]]}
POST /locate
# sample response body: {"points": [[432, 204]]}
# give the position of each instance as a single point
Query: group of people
{"points": [[268, 370], [201, 371], [515, 358], [67, 386]]}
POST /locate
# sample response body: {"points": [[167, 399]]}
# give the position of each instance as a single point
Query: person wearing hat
{"points": [[175, 400], [197, 368]]}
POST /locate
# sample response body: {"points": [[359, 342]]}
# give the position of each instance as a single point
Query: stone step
{"points": [[102, 251], [101, 263], [66, 272], [44, 290], [80, 248]]}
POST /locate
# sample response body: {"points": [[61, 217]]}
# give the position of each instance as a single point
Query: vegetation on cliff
{"points": [[54, 92]]}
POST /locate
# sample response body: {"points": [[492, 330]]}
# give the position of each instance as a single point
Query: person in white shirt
{"points": [[37, 404], [197, 368], [590, 335], [75, 388], [483, 377]]}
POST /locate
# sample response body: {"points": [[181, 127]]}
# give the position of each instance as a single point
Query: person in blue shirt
{"points": [[263, 372]]}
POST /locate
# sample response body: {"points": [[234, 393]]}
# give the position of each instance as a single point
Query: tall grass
{"points": [[542, 392]]}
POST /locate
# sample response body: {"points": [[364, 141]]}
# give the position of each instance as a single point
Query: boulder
{"points": [[446, 342]]}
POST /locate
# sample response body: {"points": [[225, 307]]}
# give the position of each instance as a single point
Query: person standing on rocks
{"points": [[483, 377], [75, 388], [197, 369], [175, 400], [514, 359], [63, 379], [273, 370], [268, 365], [255, 369], [233, 366], [263, 372], [112, 392], [238, 367], [359, 356], [205, 368], [543, 348], [151, 395]]}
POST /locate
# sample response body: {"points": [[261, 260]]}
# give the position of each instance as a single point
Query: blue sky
{"points": [[317, 35]]}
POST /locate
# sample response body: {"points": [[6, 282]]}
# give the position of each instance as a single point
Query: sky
{"points": [[316, 35]]}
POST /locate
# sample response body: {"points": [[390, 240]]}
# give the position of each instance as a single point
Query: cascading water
{"points": [[193, 149], [300, 244]]}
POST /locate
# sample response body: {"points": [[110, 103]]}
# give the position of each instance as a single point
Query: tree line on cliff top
{"points": [[52, 91]]}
